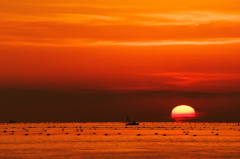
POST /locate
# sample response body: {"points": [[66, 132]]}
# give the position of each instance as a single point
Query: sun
{"points": [[183, 112]]}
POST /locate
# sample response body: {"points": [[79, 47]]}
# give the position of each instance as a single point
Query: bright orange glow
{"points": [[127, 45], [183, 112]]}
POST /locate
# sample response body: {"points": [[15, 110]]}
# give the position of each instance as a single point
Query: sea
{"points": [[116, 140]]}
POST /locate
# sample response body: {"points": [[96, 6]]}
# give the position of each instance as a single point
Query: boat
{"points": [[129, 122], [132, 123]]}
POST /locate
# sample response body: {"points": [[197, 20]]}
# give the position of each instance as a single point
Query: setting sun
{"points": [[183, 112]]}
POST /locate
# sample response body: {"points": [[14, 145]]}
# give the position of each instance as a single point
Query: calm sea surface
{"points": [[116, 140]]}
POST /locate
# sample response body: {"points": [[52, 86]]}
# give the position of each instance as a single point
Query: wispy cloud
{"points": [[169, 42], [196, 16], [192, 78], [79, 42], [193, 18], [89, 19]]}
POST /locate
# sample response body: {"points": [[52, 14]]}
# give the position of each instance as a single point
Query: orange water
{"points": [[116, 140]]}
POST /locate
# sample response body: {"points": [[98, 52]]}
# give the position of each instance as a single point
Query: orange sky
{"points": [[123, 45]]}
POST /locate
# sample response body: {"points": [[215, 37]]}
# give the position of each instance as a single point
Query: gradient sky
{"points": [[104, 60]]}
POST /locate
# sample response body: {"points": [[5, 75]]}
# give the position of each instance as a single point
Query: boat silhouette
{"points": [[129, 122], [132, 123]]}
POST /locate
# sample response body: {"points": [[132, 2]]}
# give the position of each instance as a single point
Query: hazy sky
{"points": [[104, 60]]}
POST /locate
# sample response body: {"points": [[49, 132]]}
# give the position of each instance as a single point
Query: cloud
{"points": [[190, 18], [192, 78], [169, 42], [193, 18], [90, 19], [80, 42]]}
